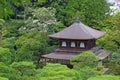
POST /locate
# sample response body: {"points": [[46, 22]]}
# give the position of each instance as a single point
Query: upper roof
{"points": [[78, 31]]}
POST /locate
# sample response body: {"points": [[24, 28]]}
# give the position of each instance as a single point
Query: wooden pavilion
{"points": [[73, 40]]}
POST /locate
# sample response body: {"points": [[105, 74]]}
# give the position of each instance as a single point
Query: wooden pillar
{"points": [[86, 45]]}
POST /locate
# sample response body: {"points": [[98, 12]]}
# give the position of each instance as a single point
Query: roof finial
{"points": [[77, 20]]}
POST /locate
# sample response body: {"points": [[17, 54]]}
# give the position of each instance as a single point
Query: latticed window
{"points": [[82, 45], [64, 44], [72, 44]]}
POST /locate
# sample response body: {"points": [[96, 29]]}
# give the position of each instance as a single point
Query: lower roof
{"points": [[101, 54], [61, 56]]}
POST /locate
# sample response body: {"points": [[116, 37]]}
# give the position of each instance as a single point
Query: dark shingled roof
{"points": [[68, 56], [78, 31], [60, 56], [100, 53]]}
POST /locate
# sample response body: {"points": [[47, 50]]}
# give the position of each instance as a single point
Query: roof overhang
{"points": [[60, 56], [67, 56]]}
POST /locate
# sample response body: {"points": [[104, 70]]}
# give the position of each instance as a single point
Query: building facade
{"points": [[73, 40]]}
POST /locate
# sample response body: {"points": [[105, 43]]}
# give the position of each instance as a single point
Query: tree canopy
{"points": [[105, 77], [57, 72], [87, 58]]}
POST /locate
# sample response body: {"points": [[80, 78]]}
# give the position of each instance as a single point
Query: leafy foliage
{"points": [[56, 71], [111, 41], [91, 12], [2, 22], [5, 8], [115, 58], [85, 73], [87, 58], [8, 72], [2, 78], [105, 77], [114, 63], [28, 43], [5, 55], [26, 69], [34, 39]]}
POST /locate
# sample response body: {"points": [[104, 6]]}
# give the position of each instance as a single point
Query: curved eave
{"points": [[72, 38], [51, 36]]}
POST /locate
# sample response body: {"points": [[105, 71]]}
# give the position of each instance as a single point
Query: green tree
{"points": [[115, 58], [85, 73], [111, 41], [34, 33], [40, 20], [10, 32], [8, 72], [87, 58], [2, 78], [11, 28], [5, 55], [1, 23], [30, 46], [56, 72], [1, 27], [7, 8], [91, 12], [105, 77], [26, 69], [114, 63]]}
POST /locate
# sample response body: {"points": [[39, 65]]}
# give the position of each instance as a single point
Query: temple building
{"points": [[75, 39]]}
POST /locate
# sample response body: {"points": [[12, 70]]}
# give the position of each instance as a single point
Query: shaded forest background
{"points": [[25, 24]]}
